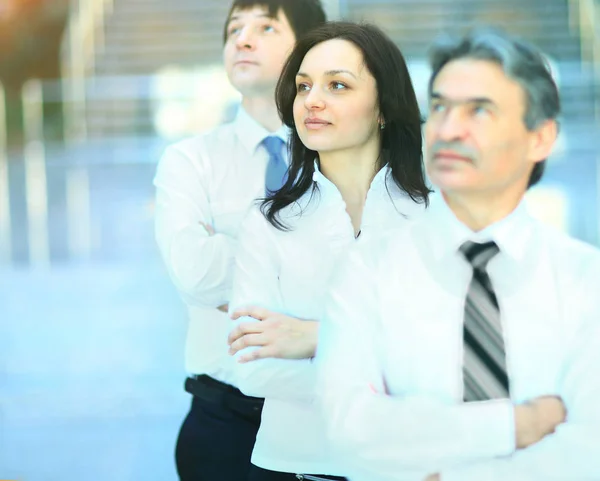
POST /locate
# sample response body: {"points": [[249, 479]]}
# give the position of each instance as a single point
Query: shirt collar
{"points": [[251, 133], [378, 180], [511, 233]]}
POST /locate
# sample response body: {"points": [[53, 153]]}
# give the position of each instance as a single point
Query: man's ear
{"points": [[542, 141]]}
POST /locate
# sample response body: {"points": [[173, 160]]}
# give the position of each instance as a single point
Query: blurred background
{"points": [[91, 91]]}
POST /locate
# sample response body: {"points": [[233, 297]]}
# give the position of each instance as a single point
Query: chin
{"points": [[320, 147], [247, 84], [311, 143], [450, 181]]}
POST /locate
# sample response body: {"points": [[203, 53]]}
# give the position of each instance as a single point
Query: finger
{"points": [[262, 353], [259, 313], [249, 340], [242, 329]]}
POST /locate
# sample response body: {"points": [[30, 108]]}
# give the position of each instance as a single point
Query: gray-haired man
{"points": [[453, 349]]}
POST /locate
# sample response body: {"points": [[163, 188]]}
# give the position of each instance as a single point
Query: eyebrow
{"points": [[329, 73], [469, 100]]}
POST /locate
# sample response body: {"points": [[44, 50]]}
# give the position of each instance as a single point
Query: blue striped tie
{"points": [[484, 369], [276, 174]]}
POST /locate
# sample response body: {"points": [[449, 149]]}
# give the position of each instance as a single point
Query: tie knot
{"points": [[273, 144], [478, 254]]}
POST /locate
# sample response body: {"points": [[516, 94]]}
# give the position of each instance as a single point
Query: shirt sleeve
{"points": [[256, 283], [200, 265], [572, 452], [378, 435]]}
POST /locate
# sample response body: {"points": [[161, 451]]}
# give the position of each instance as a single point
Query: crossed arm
{"points": [[199, 260], [381, 436], [279, 346]]}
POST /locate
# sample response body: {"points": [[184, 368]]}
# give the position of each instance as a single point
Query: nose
{"points": [[314, 99], [452, 125], [246, 39]]}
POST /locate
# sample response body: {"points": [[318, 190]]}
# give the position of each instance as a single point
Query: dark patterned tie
{"points": [[484, 368], [276, 174]]}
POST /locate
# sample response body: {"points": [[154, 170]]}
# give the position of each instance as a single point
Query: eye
{"points": [[268, 28], [303, 87], [436, 107], [233, 31], [480, 110], [338, 86]]}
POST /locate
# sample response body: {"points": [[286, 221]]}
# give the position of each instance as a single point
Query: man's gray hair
{"points": [[519, 60]]}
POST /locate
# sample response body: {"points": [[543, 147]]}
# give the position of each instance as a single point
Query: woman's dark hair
{"points": [[401, 141]]}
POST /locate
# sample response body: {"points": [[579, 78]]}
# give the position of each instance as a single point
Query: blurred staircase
{"points": [[141, 38], [145, 36], [413, 24]]}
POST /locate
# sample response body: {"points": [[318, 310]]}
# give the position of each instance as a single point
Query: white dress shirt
{"points": [[212, 178], [289, 272], [395, 322]]}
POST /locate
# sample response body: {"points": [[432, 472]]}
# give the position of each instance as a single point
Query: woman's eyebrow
{"points": [[329, 73]]}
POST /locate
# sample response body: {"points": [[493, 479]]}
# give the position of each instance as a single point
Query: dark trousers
{"points": [[260, 474], [215, 441]]}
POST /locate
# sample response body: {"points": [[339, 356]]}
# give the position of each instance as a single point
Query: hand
{"points": [[209, 229], [433, 477], [224, 308], [537, 418], [276, 335], [551, 412]]}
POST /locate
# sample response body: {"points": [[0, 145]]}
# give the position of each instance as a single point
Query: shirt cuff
{"points": [[492, 427]]}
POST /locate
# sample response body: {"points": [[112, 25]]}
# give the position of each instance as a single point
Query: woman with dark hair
{"points": [[355, 171]]}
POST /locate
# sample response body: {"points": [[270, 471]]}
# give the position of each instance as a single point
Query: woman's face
{"points": [[336, 106]]}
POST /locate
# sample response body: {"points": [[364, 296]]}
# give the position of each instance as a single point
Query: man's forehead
{"points": [[467, 78], [473, 70], [253, 11]]}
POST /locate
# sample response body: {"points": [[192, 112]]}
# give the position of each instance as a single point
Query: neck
{"points": [[352, 173], [263, 110], [479, 210]]}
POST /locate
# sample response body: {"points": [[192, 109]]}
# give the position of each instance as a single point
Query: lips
{"points": [[450, 155], [316, 124], [315, 121]]}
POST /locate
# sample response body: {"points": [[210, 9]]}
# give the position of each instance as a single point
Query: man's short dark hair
{"points": [[303, 15]]}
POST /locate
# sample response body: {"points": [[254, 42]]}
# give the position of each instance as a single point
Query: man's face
{"points": [[475, 135], [256, 49]]}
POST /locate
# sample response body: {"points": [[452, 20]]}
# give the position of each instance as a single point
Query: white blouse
{"points": [[289, 272]]}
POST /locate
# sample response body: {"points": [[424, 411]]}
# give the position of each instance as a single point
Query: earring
{"points": [[382, 125]]}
